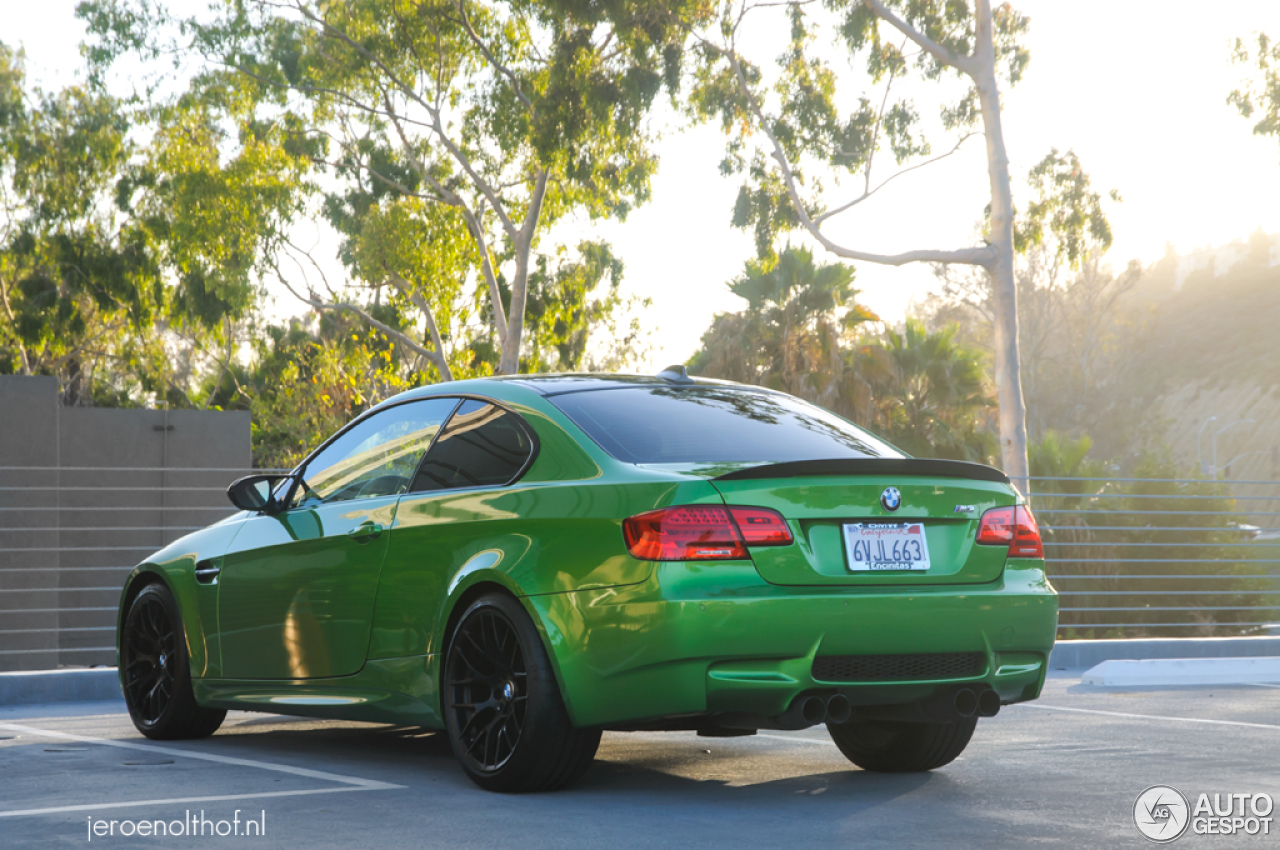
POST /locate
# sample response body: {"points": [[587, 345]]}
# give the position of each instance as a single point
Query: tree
{"points": [[121, 263], [803, 128], [1068, 298], [477, 125], [931, 401], [803, 333], [72, 277], [1259, 95], [307, 380], [790, 336]]}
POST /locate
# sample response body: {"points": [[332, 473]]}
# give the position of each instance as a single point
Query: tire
{"points": [[155, 672], [503, 711], [899, 747]]}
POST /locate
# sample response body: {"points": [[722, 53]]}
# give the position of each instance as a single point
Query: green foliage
{"points": [[932, 401], [1066, 212], [123, 263], [800, 333], [1259, 95], [78, 281], [451, 136], [800, 102], [306, 383], [789, 337], [1058, 457], [566, 302]]}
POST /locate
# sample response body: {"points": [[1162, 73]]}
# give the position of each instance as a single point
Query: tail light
{"points": [[703, 533], [1014, 527]]}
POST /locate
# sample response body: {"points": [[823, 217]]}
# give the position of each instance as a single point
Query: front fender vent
{"points": [[919, 667]]}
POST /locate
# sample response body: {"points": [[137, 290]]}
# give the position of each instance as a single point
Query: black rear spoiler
{"points": [[927, 467]]}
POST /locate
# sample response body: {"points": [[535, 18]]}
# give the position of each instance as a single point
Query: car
{"points": [[523, 562]]}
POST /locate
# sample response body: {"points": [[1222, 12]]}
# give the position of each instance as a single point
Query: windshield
{"points": [[704, 424]]}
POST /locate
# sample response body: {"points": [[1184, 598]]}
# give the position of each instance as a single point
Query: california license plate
{"points": [[886, 546]]}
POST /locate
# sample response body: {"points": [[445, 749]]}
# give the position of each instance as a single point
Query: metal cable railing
{"points": [[1129, 556]]}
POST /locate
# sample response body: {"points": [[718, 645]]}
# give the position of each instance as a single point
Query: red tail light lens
{"points": [[703, 533], [1014, 527], [761, 526], [996, 527]]}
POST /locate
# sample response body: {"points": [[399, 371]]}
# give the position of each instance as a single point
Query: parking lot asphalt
{"points": [[1064, 771]]}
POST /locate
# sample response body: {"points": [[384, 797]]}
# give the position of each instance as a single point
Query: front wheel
{"points": [[900, 747], [506, 721], [155, 672]]}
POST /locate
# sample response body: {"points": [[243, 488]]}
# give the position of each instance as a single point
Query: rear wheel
{"points": [[155, 671], [506, 720], [898, 747]]}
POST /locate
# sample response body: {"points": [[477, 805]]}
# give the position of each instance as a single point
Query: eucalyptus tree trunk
{"points": [[996, 256], [1004, 292]]}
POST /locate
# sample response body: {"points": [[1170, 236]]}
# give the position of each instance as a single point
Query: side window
{"points": [[483, 445], [378, 457]]}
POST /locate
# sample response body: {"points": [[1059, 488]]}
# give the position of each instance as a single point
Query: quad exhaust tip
{"points": [[813, 709]]}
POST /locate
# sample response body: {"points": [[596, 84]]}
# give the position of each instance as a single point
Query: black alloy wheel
{"points": [[506, 721], [155, 672], [150, 643], [488, 695]]}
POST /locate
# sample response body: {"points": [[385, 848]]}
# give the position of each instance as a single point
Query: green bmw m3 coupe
{"points": [[525, 562]]}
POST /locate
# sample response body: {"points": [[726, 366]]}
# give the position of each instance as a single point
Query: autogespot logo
{"points": [[891, 499], [1161, 813]]}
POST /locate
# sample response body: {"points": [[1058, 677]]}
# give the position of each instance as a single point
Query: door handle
{"points": [[364, 532]]}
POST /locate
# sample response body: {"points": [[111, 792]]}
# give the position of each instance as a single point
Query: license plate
{"points": [[886, 546]]}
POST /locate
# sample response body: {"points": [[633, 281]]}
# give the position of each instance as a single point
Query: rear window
{"points": [[714, 425]]}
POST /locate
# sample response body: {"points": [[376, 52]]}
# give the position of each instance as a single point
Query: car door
{"points": [[296, 592], [459, 512]]}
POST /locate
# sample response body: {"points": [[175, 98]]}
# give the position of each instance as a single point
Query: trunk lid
{"points": [[818, 498]]}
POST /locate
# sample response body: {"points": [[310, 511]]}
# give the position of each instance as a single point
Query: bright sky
{"points": [[1138, 89]]}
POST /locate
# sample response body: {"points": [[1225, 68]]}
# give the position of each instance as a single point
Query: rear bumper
{"points": [[694, 639]]}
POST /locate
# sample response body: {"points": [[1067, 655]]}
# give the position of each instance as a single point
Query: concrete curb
{"points": [[44, 686], [1077, 654], [1185, 671]]}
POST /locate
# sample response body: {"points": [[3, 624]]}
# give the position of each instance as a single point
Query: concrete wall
{"points": [[87, 493]]}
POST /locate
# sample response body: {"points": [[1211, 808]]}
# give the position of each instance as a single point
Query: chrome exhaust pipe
{"points": [[805, 711], [988, 703], [965, 702], [838, 710]]}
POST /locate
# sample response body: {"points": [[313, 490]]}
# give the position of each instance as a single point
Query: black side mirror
{"points": [[255, 492]]}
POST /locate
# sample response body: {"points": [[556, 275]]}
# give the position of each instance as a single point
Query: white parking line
{"points": [[371, 784], [350, 783], [176, 800], [1149, 716]]}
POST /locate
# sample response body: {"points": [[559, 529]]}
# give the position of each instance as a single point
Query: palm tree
{"points": [[789, 337], [933, 399]]}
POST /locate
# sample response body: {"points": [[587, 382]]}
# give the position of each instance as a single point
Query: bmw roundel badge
{"points": [[891, 499]]}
